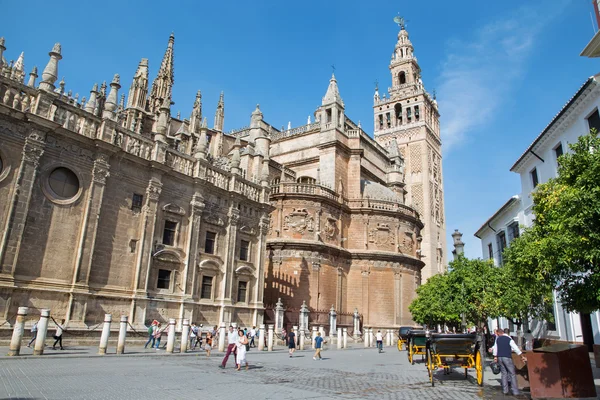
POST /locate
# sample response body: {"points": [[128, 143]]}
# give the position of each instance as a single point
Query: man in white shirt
{"points": [[58, 335], [502, 351], [379, 338], [252, 335], [232, 338]]}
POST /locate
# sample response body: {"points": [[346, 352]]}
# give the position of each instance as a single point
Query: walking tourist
{"points": [[208, 344], [318, 346], [379, 338], [291, 342], [502, 355], [157, 334], [241, 350], [34, 330], [193, 336], [151, 331], [252, 335], [58, 335], [232, 338]]}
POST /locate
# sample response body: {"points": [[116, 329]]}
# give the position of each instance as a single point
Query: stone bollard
{"points": [[366, 336], [270, 338], [105, 334], [261, 337], [314, 335], [322, 330], [122, 335], [171, 335], [339, 338], [301, 339], [185, 335], [40, 340], [390, 337], [17, 336], [222, 336], [345, 334], [371, 338]]}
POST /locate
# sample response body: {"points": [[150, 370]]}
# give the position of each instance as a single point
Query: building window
{"points": [[388, 120], [207, 284], [244, 250], [306, 179], [64, 183], [169, 233], [328, 118], [534, 177], [416, 113], [490, 251], [551, 324], [558, 151], [513, 231], [241, 292], [402, 78], [209, 243], [164, 279], [136, 202], [594, 121], [398, 112], [501, 245], [408, 114], [380, 121]]}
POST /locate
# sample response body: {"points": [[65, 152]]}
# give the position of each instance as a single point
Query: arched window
{"points": [[398, 112], [402, 78], [306, 179]]}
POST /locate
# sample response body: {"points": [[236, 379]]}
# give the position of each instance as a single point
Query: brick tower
{"points": [[408, 114]]}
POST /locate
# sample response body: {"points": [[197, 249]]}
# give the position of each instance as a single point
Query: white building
{"points": [[537, 165]]}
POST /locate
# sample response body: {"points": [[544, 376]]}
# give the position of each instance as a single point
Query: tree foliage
{"points": [[562, 248]]}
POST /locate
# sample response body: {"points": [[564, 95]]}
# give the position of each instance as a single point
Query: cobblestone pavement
{"points": [[351, 374]]}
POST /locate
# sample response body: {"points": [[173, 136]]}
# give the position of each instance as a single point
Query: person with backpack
{"points": [[157, 334], [58, 335], [193, 336], [34, 330], [151, 330]]}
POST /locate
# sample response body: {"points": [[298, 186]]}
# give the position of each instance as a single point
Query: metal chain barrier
{"points": [[145, 335], [77, 334], [8, 320]]}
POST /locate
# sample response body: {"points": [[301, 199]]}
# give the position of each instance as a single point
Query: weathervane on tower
{"points": [[400, 21]]}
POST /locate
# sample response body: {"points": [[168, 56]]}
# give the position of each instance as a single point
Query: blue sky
{"points": [[501, 69]]}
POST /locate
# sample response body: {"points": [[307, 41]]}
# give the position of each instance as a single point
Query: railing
{"points": [[217, 177], [250, 190], [304, 188], [383, 205], [295, 131], [241, 132], [180, 162], [353, 133]]}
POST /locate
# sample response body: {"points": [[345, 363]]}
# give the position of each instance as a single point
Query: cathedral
{"points": [[111, 204]]}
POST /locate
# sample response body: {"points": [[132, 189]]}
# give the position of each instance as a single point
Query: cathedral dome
{"points": [[377, 191]]}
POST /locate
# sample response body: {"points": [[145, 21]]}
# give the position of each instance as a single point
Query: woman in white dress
{"points": [[241, 350]]}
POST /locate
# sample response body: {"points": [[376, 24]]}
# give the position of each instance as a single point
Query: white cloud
{"points": [[479, 73]]}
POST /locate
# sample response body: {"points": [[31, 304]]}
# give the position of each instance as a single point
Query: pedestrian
{"points": [[208, 344], [502, 355], [318, 346], [291, 342], [151, 338], [193, 336], [34, 330], [252, 335], [379, 338], [284, 336], [157, 334], [232, 338], [199, 336], [241, 350], [58, 335]]}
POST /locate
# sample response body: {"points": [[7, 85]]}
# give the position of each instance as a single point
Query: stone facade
{"points": [[409, 116], [114, 206]]}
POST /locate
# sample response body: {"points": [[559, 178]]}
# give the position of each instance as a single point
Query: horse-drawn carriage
{"points": [[416, 344], [403, 336], [446, 351]]}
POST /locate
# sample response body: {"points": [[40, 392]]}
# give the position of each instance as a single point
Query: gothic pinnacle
{"points": [[90, 106], [32, 77], [111, 101], [50, 73]]}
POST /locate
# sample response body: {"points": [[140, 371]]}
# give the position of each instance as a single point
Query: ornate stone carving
{"points": [[214, 220], [72, 148], [234, 216], [32, 153], [407, 242], [173, 209], [154, 189], [330, 228], [249, 230], [299, 220], [101, 169], [382, 235]]}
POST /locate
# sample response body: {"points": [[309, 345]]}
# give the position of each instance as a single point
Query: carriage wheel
{"points": [[399, 345], [430, 366], [411, 359], [479, 368]]}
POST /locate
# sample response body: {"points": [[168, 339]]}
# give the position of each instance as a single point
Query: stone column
{"points": [[270, 340], [332, 321], [259, 292], [193, 234], [322, 330], [339, 338], [345, 333], [185, 335], [314, 335], [105, 334], [229, 259], [261, 337], [371, 338], [304, 311], [356, 323], [40, 340], [366, 336], [171, 335], [222, 334], [301, 339], [17, 336], [18, 204], [279, 310], [122, 335]]}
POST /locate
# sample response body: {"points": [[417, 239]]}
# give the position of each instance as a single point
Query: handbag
{"points": [[495, 367]]}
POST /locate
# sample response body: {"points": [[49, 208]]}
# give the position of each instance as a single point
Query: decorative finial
{"points": [[2, 41], [400, 21], [434, 95], [178, 115], [333, 69], [376, 84], [56, 49], [116, 79]]}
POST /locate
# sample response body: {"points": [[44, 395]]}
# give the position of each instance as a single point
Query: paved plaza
{"points": [[76, 373]]}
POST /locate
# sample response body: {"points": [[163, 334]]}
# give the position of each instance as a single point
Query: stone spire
{"points": [[196, 117], [459, 246], [162, 86], [333, 93], [50, 73], [138, 91], [2, 49], [110, 106], [18, 71], [404, 48], [220, 114], [90, 106], [32, 77], [236, 156], [163, 121], [376, 97]]}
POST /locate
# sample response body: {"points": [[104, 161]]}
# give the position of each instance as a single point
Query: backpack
{"points": [[150, 330]]}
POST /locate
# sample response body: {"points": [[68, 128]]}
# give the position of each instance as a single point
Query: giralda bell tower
{"points": [[408, 114]]}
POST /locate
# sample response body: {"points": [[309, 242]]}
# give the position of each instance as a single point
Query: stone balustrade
{"points": [[383, 205], [312, 189], [295, 131]]}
